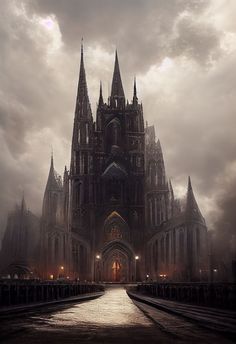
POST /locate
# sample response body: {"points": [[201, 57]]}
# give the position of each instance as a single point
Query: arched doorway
{"points": [[117, 262]]}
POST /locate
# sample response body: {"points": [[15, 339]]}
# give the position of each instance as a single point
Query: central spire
{"points": [[83, 108], [117, 90]]}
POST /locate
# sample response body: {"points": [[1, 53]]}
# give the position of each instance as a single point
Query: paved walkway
{"points": [[112, 318]]}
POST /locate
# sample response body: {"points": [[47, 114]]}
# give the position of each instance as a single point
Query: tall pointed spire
{"points": [[192, 210], [83, 108], [100, 102], [117, 90], [52, 182], [135, 98], [23, 204]]}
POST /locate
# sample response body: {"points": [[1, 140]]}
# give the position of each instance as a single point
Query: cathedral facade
{"points": [[114, 216]]}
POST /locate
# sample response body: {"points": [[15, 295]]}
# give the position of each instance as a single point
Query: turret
{"points": [[117, 91], [192, 210], [52, 194], [135, 98], [83, 123], [100, 101]]}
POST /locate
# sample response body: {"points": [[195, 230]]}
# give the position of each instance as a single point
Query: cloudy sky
{"points": [[183, 53]]}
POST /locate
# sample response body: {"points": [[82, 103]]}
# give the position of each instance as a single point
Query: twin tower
{"points": [[114, 216]]}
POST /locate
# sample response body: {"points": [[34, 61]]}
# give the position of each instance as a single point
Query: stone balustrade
{"points": [[20, 292], [221, 295]]}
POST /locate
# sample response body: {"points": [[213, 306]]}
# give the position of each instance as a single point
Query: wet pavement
{"points": [[112, 318]]}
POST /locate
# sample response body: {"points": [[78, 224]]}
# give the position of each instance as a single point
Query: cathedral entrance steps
{"points": [[222, 321], [10, 311]]}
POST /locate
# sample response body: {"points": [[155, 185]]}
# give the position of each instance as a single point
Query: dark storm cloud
{"points": [[146, 31], [183, 53]]}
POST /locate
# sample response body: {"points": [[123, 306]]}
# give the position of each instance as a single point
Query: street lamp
{"points": [[136, 258], [96, 260]]}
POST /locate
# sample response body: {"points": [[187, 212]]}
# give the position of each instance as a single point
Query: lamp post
{"points": [[136, 258], [96, 262], [61, 271]]}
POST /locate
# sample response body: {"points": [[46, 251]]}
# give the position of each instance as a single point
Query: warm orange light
{"points": [[68, 277], [98, 256], [62, 267], [137, 257], [51, 276]]}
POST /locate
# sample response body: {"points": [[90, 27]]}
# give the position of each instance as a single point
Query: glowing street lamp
{"points": [[96, 266], [51, 277], [136, 257], [62, 268]]}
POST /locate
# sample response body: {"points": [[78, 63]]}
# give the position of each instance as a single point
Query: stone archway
{"points": [[117, 262]]}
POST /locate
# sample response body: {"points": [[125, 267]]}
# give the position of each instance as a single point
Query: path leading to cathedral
{"points": [[112, 318]]}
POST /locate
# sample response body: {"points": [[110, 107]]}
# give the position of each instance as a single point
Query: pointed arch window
{"points": [[87, 133]]}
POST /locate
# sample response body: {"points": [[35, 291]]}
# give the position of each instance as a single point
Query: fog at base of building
{"points": [[114, 216]]}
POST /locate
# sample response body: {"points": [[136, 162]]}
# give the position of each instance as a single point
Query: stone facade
{"points": [[115, 217]]}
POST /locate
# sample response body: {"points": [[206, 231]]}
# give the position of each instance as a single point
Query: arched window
{"points": [[181, 246], [50, 250], [167, 248], [87, 133], [56, 250], [162, 250], [198, 241]]}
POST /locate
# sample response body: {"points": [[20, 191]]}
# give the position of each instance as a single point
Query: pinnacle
{"points": [[192, 209], [117, 90], [82, 103]]}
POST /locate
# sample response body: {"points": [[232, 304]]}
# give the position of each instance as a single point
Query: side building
{"points": [[20, 244]]}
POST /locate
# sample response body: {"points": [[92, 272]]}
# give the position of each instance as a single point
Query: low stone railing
{"points": [[222, 295], [20, 292]]}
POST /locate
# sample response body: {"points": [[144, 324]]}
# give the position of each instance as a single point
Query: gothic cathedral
{"points": [[114, 216]]}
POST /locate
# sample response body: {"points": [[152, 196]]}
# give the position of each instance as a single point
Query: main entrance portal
{"points": [[117, 264], [117, 256]]}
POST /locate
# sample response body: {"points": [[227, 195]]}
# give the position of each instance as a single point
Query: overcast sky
{"points": [[183, 53]]}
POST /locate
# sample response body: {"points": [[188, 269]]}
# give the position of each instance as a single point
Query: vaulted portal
{"points": [[117, 262]]}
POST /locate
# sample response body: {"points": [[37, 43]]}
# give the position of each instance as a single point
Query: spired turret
{"points": [[82, 139], [157, 190], [192, 210], [135, 98], [52, 197], [117, 92]]}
